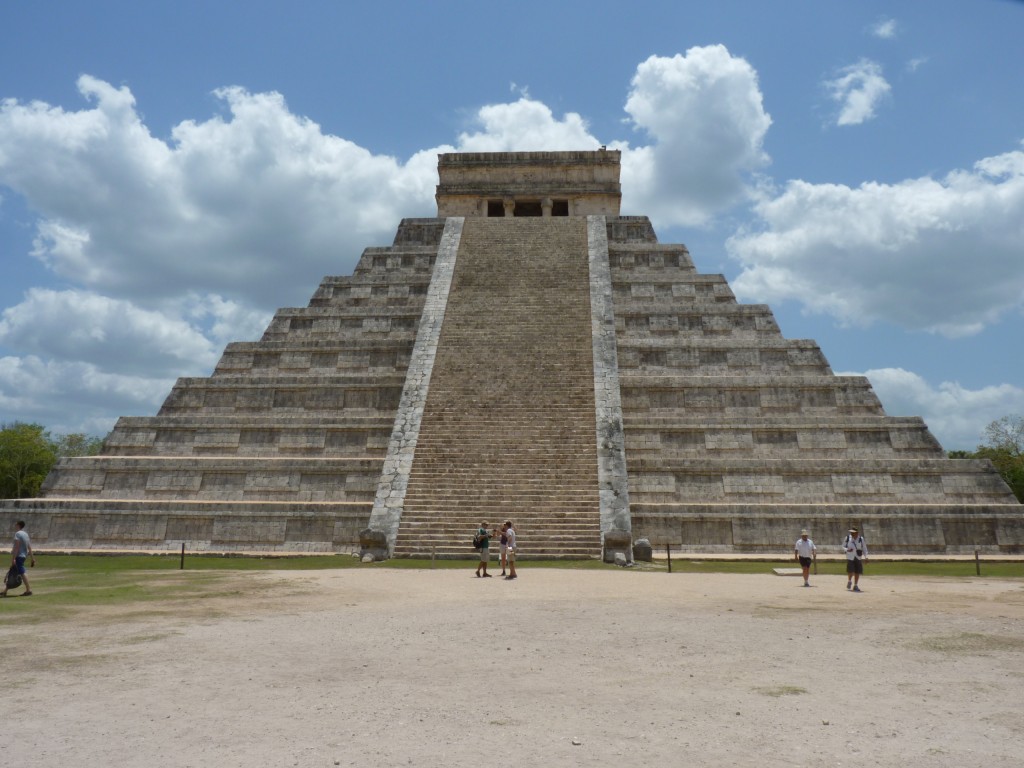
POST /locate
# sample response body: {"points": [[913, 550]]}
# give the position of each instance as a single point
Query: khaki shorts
{"points": [[511, 556], [485, 554]]}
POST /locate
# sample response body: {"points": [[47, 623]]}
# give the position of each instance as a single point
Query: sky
{"points": [[170, 174]]}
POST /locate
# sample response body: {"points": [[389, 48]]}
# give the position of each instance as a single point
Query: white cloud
{"points": [[74, 396], [526, 126], [705, 117], [884, 29], [956, 416], [76, 326], [858, 89], [237, 207], [938, 255], [916, 63]]}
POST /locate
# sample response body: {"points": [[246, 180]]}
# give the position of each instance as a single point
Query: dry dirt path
{"points": [[559, 668]]}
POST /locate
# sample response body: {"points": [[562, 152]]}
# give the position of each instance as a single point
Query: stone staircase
{"points": [[508, 429]]}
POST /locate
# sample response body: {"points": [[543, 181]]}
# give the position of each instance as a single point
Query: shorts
{"points": [[485, 554], [805, 562], [19, 563], [855, 566], [511, 555]]}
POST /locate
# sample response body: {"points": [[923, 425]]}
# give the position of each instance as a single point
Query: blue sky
{"points": [[172, 173]]}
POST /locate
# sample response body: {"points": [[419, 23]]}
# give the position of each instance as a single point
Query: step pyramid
{"points": [[529, 354]]}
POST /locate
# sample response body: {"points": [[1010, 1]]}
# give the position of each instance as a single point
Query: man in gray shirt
{"points": [[21, 551]]}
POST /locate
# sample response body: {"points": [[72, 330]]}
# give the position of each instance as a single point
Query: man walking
{"points": [[856, 553], [805, 552], [21, 551]]}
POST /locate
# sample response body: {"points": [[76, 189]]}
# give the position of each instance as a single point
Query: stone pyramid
{"points": [[530, 355]]}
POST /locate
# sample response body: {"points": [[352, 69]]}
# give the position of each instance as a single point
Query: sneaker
{"points": [[488, 576], [849, 584], [856, 589], [806, 584], [26, 594]]}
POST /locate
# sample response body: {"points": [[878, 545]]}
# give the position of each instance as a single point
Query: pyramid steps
{"points": [[508, 429]]}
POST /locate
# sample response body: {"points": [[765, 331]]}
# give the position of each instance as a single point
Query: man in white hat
{"points": [[805, 552], [856, 553]]}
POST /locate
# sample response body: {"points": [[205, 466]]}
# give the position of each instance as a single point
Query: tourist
{"points": [[21, 551], [504, 547], [483, 540], [805, 551], [510, 535], [856, 553]]}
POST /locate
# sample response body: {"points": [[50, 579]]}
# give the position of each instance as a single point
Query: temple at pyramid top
{"points": [[529, 354], [496, 184]]}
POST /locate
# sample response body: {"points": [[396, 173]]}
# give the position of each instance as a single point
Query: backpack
{"points": [[477, 541], [13, 578]]}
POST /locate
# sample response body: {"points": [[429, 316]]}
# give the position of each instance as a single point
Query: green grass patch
{"points": [[105, 565], [971, 643], [136, 586]]}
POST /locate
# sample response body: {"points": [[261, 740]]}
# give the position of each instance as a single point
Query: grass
{"points": [[68, 583], [105, 565], [972, 643]]}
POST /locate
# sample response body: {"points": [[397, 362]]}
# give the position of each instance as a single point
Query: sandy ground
{"points": [[558, 668]]}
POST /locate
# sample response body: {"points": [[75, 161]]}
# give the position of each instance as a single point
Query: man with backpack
{"points": [[482, 542], [856, 553], [21, 551]]}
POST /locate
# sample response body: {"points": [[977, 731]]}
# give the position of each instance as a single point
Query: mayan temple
{"points": [[527, 354]]}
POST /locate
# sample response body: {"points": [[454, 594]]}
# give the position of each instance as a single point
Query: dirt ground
{"points": [[558, 668]]}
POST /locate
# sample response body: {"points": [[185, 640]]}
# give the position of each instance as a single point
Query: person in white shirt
{"points": [[510, 534], [805, 552], [856, 553]]}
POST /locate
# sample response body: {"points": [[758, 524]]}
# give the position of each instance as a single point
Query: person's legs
{"points": [[511, 565], [504, 559], [849, 574]]}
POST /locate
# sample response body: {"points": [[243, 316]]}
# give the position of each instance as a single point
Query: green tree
{"points": [[76, 444], [28, 453], [26, 456], [1004, 447]]}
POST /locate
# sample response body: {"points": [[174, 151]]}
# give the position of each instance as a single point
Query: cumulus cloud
{"points": [[858, 89], [884, 29], [74, 396], [956, 416], [704, 115], [112, 333], [525, 126], [924, 254], [236, 207]]}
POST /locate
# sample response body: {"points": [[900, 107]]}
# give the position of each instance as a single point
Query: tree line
{"points": [[28, 453], [1004, 447]]}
